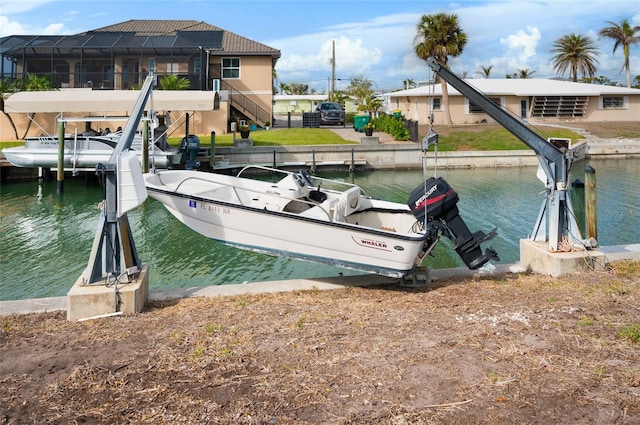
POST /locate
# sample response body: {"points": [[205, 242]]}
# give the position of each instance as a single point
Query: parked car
{"points": [[331, 113]]}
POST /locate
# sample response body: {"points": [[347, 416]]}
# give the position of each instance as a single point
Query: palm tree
{"points": [[360, 87], [440, 36], [284, 88], [485, 71], [577, 53], [298, 88], [371, 105], [409, 84], [525, 73], [33, 82], [173, 82], [623, 35]]}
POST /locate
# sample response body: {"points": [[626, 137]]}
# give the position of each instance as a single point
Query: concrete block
{"points": [[243, 143], [85, 301], [536, 257], [369, 140]]}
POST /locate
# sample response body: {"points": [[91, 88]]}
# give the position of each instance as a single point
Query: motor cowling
{"points": [[434, 203]]}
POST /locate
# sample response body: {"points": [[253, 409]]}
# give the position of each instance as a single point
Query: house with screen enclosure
{"points": [[532, 100], [236, 71]]}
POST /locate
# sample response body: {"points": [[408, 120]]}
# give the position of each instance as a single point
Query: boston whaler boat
{"points": [[317, 219]]}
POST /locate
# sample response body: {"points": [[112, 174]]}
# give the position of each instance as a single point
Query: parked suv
{"points": [[331, 113]]}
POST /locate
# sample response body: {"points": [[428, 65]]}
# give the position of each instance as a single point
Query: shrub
{"points": [[392, 126]]}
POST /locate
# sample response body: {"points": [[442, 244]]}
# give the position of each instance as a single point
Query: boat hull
{"points": [[81, 152], [341, 244]]}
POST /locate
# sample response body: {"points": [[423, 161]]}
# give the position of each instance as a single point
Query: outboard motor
{"points": [[434, 203], [189, 147]]}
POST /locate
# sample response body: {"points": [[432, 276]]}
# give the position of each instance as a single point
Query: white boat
{"points": [[313, 219], [83, 151]]}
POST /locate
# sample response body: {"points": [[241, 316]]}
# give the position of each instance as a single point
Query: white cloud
{"points": [[352, 58], [11, 7], [522, 44], [8, 27]]}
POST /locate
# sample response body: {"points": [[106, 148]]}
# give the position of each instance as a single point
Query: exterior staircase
{"points": [[245, 105]]}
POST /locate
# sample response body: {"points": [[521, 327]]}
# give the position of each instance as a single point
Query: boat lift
{"points": [[555, 160], [114, 257]]}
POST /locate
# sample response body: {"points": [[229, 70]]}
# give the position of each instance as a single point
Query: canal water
{"points": [[45, 239]]}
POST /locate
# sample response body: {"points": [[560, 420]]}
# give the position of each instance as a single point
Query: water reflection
{"points": [[45, 239]]}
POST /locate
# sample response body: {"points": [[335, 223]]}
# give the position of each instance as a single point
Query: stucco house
{"points": [[532, 100], [234, 69]]}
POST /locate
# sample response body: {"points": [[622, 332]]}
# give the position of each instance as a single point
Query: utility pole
{"points": [[333, 68]]}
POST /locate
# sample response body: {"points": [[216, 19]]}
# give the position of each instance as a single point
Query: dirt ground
{"points": [[510, 349]]}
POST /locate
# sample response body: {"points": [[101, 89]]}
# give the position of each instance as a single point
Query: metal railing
{"points": [[245, 105]]}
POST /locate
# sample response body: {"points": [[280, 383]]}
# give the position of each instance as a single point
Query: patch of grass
{"points": [[281, 137], [586, 321], [497, 139], [198, 352], [11, 144], [626, 268], [629, 134], [224, 351], [631, 333], [300, 322], [210, 328]]}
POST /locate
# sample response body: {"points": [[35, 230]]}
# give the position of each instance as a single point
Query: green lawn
{"points": [[281, 137], [493, 139], [489, 139]]}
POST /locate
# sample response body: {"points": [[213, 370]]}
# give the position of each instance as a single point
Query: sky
{"points": [[373, 39]]}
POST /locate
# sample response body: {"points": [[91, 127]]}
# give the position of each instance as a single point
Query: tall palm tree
{"points": [[623, 35], [440, 36], [576, 53]]}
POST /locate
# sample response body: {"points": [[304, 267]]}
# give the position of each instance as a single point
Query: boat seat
{"points": [[323, 211], [351, 199]]}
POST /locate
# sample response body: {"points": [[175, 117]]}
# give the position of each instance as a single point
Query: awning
{"points": [[106, 101]]}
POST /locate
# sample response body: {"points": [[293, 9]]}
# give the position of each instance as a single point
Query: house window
{"points": [[559, 106], [613, 102], [230, 67], [435, 104], [475, 109]]}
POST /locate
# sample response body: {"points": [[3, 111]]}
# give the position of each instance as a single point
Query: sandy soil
{"points": [[512, 349]]}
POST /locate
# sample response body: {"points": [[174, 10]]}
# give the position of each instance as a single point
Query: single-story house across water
{"points": [[533, 100]]}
